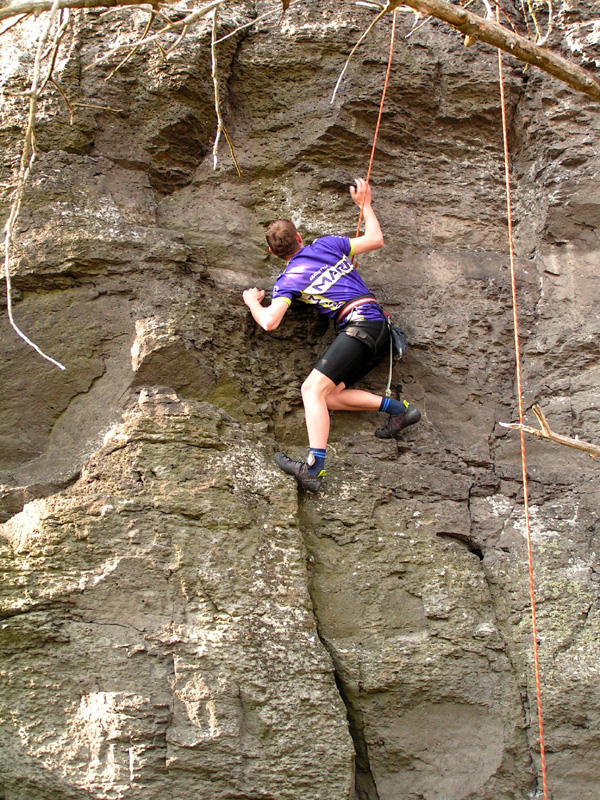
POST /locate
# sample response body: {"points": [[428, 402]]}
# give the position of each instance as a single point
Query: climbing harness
{"points": [[398, 339], [520, 399], [347, 308]]}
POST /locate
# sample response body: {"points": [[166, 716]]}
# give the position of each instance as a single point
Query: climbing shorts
{"points": [[355, 351]]}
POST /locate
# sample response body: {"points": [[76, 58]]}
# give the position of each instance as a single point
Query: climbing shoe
{"points": [[299, 469], [397, 422]]}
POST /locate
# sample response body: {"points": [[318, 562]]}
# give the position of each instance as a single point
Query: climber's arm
{"points": [[268, 317], [372, 238]]}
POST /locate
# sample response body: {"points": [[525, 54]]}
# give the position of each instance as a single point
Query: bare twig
{"points": [[159, 15], [28, 156], [428, 19], [73, 105], [65, 16], [171, 27], [61, 91], [22, 253], [254, 22], [545, 38], [39, 6], [99, 107], [232, 152], [132, 51], [524, 12], [539, 39], [418, 27], [535, 22], [215, 78], [177, 41], [13, 23], [354, 49], [544, 432]]}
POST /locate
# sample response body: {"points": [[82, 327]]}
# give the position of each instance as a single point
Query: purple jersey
{"points": [[323, 275]]}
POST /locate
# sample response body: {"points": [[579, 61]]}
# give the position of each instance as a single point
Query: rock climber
{"points": [[322, 274]]}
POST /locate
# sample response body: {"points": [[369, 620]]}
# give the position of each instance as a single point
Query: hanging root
{"points": [[354, 49], [28, 156], [220, 124]]}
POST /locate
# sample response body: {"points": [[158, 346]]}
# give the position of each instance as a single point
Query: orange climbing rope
{"points": [[518, 362], [520, 398], [385, 85]]}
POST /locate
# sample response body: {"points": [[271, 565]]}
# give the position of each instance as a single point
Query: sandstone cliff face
{"points": [[177, 621]]}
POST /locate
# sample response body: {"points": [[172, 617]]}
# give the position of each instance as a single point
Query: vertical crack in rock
{"points": [[364, 782], [365, 786], [497, 598], [171, 709], [511, 657]]}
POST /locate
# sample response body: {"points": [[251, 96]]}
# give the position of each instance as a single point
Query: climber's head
{"points": [[283, 238]]}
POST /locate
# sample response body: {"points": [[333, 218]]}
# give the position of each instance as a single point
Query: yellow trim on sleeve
{"points": [[351, 248]]}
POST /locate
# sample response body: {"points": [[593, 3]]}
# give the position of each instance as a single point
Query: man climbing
{"points": [[322, 274]]}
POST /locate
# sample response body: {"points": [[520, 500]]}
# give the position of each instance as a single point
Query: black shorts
{"points": [[348, 358]]}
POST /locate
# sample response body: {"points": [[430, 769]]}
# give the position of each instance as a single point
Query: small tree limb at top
{"points": [[544, 432], [491, 32], [38, 6]]}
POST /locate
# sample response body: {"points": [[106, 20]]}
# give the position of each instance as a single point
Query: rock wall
{"points": [[177, 620]]}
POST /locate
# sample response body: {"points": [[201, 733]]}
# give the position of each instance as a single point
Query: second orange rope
{"points": [[520, 400]]}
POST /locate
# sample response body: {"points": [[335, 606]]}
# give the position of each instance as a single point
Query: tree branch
{"points": [[492, 33], [170, 27], [38, 6], [546, 433]]}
